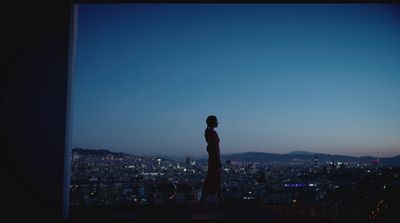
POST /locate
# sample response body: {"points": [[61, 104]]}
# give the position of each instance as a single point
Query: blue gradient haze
{"points": [[280, 77]]}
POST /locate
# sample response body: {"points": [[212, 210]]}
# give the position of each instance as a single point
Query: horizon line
{"points": [[234, 153]]}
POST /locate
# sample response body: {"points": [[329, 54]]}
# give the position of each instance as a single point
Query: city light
{"points": [[142, 185], [294, 185]]}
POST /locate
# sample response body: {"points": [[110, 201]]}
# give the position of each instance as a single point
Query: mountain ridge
{"points": [[252, 156]]}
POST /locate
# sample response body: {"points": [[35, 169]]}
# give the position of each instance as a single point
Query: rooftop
{"points": [[212, 212]]}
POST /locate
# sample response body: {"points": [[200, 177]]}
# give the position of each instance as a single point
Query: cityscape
{"points": [[304, 186], [279, 77]]}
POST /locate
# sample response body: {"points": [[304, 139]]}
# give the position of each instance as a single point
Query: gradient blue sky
{"points": [[280, 77]]}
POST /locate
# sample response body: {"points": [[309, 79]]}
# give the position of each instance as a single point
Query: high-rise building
{"points": [[316, 161], [188, 160], [261, 176]]}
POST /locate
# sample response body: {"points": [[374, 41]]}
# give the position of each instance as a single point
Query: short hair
{"points": [[212, 119]]}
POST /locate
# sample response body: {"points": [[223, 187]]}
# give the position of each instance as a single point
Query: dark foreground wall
{"points": [[33, 107]]}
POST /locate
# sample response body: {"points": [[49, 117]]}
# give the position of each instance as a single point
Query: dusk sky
{"points": [[280, 77]]}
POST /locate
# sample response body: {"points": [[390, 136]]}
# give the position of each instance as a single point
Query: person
{"points": [[213, 180]]}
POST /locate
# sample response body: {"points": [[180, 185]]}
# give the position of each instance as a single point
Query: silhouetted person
{"points": [[212, 183]]}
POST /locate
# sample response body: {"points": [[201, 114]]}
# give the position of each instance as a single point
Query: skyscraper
{"points": [[188, 160], [316, 161]]}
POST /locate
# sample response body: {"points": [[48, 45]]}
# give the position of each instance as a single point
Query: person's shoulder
{"points": [[209, 131]]}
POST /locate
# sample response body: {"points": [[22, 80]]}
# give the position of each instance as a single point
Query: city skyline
{"points": [[323, 78]]}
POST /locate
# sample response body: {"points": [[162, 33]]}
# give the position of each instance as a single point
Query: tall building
{"points": [[261, 177], [188, 160], [316, 161]]}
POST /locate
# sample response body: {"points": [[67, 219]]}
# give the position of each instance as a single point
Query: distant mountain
{"points": [[98, 152], [261, 157], [300, 153], [284, 158], [104, 152], [394, 161]]}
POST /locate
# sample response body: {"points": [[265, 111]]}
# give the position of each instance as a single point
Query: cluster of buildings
{"points": [[118, 179], [115, 179]]}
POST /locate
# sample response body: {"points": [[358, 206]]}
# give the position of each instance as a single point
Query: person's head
{"points": [[212, 121]]}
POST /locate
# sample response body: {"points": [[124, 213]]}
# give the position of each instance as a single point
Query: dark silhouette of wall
{"points": [[33, 109]]}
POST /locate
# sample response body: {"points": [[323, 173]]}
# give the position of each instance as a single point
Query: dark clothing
{"points": [[212, 183]]}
